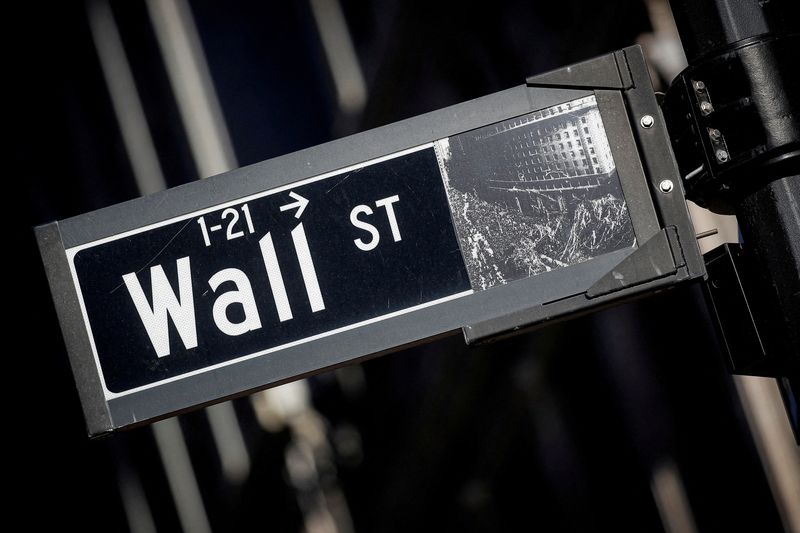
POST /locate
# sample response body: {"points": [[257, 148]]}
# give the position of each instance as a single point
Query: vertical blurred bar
{"points": [[351, 89], [180, 476], [227, 435], [779, 454], [124, 98], [134, 501], [671, 500], [213, 153], [194, 90], [149, 178]]}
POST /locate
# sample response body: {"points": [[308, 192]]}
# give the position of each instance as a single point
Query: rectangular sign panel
{"points": [[246, 278], [488, 217]]}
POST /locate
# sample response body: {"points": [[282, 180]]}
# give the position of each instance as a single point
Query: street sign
{"points": [[489, 217], [246, 278]]}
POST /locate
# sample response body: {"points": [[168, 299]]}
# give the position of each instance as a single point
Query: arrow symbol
{"points": [[300, 204]]}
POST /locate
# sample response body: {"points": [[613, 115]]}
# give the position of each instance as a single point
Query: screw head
{"points": [[722, 156], [647, 121], [699, 86], [715, 134], [666, 186], [706, 108]]}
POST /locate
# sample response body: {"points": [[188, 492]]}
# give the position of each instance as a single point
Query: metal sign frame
{"points": [[666, 252]]}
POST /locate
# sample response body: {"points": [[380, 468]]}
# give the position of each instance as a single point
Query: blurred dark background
{"points": [[625, 420]]}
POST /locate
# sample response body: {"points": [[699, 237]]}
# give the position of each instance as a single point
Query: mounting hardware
{"points": [[745, 131], [666, 186], [647, 121], [707, 233]]}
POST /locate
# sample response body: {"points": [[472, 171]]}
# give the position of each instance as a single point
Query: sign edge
{"points": [[90, 390]]}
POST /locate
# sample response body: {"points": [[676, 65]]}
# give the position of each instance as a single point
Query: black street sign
{"points": [[488, 217], [294, 263]]}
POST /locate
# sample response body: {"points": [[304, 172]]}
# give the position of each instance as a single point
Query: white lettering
{"points": [[366, 226], [307, 268], [275, 278], [243, 295], [166, 304], [386, 203]]}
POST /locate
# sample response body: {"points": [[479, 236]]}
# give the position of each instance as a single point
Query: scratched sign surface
{"points": [[247, 277], [333, 252]]}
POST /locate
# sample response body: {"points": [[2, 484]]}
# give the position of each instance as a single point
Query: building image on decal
{"points": [[535, 193], [549, 152]]}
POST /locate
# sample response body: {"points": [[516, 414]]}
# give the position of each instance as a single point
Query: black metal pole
{"points": [[708, 26], [742, 52]]}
